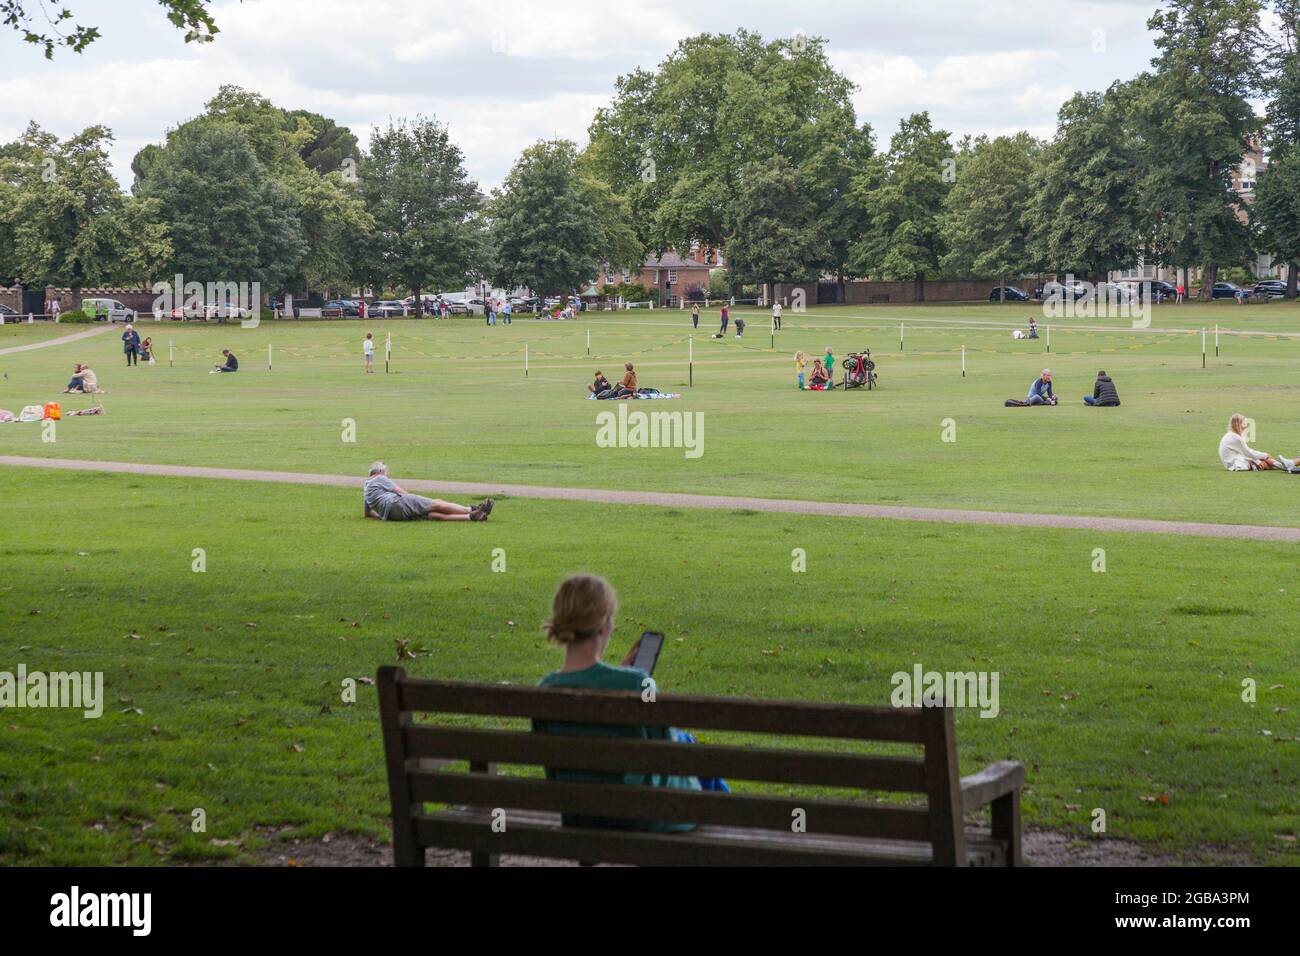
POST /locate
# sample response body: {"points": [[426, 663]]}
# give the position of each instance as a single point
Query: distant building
{"points": [[673, 275]]}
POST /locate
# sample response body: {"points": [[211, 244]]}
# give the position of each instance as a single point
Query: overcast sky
{"points": [[503, 73]]}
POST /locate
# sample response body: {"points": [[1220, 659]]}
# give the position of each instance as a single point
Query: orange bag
{"points": [[53, 410]]}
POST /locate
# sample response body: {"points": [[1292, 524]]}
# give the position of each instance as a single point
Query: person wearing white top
{"points": [[1236, 455], [368, 346], [776, 316]]}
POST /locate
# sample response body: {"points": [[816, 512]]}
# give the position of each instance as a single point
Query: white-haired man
{"points": [[387, 501]]}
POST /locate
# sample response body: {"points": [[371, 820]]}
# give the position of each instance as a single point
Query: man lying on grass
{"points": [[387, 501]]}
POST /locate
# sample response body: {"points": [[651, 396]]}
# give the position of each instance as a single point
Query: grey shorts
{"points": [[409, 508]]}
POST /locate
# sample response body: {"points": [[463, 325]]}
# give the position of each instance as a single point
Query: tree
{"points": [[1199, 120], [303, 153], [544, 226], [428, 232], [674, 141], [828, 176], [1277, 200], [1082, 212], [65, 219], [776, 235], [230, 221], [1277, 207], [192, 16], [902, 194], [982, 226]]}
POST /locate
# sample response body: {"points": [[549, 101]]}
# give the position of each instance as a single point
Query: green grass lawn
{"points": [[223, 687], [1119, 690], [458, 406]]}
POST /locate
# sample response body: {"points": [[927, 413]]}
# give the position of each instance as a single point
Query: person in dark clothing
{"points": [[725, 316], [601, 384], [131, 345], [1104, 394], [232, 363]]}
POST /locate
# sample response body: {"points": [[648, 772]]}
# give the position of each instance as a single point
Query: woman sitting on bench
{"points": [[582, 620]]}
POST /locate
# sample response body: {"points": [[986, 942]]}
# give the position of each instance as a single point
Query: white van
{"points": [[109, 309]]}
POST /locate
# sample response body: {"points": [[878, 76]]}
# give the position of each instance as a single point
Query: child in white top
{"points": [[369, 348]]}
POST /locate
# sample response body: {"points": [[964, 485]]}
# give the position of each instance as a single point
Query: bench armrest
{"points": [[994, 781]]}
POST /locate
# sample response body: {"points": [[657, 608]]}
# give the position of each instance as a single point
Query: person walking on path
{"points": [[695, 315]]}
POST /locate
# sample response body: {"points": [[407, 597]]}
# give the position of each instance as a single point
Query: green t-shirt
{"points": [[829, 361], [604, 677]]}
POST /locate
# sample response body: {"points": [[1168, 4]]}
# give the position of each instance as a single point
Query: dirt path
{"points": [[674, 500], [61, 340], [1041, 848]]}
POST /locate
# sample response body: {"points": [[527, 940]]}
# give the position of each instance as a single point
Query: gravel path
{"points": [[61, 340], [673, 500]]}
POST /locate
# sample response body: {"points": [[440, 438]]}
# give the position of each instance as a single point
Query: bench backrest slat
{"points": [[665, 803], [785, 718], [768, 764]]}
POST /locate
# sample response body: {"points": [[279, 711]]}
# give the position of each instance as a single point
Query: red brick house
{"points": [[670, 274]]}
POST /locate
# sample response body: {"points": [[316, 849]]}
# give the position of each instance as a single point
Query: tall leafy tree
{"points": [[983, 229], [902, 193], [828, 175], [1277, 192], [65, 220], [1199, 121], [675, 140], [1082, 214], [230, 220], [544, 227], [777, 236], [428, 213]]}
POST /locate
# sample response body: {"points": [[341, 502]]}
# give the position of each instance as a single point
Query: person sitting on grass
{"points": [[601, 384], [581, 622], [387, 501], [819, 379], [1104, 394], [232, 363], [83, 380], [627, 387], [1040, 393], [1236, 455]]}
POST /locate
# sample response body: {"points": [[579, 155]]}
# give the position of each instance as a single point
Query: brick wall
{"points": [[894, 293]]}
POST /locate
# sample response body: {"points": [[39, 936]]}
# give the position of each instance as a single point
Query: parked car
{"points": [[1108, 291], [110, 310], [346, 307], [384, 309], [459, 308], [1074, 290], [1226, 290], [1160, 289], [1009, 293], [1273, 288], [8, 313]]}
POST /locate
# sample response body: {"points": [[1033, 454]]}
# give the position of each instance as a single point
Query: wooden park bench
{"points": [[488, 814]]}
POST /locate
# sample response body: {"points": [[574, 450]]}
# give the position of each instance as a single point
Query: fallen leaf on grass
{"points": [[1163, 799]]}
